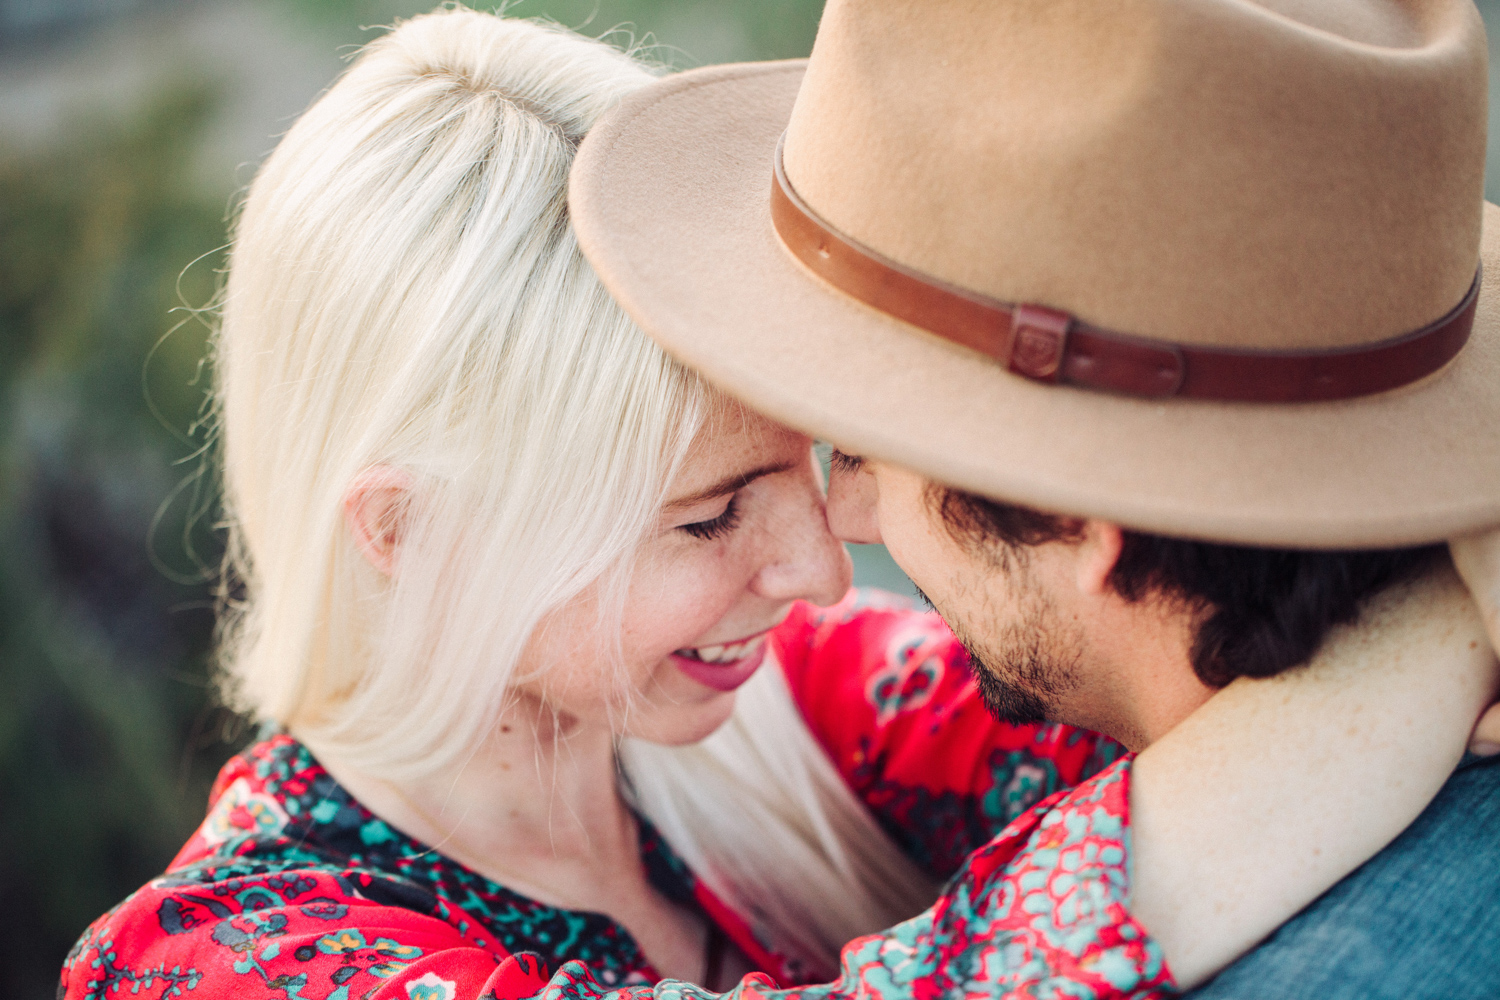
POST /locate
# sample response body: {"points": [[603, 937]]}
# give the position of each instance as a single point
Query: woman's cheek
{"points": [[705, 593], [672, 602]]}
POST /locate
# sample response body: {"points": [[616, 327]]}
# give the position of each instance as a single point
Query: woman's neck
{"points": [[535, 808]]}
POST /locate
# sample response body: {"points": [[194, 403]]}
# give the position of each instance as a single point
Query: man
{"points": [[1078, 620], [1154, 330]]}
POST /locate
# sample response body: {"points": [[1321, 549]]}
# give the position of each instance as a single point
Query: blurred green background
{"points": [[126, 129]]}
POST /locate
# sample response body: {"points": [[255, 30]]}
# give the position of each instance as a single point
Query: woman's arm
{"points": [[1276, 789], [1477, 558]]}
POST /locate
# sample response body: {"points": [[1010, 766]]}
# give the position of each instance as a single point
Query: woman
{"points": [[505, 565]]}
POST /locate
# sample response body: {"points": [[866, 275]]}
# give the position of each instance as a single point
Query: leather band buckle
{"points": [[1038, 342]]}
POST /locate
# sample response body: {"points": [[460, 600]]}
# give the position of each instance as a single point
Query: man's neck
{"points": [[1140, 674]]}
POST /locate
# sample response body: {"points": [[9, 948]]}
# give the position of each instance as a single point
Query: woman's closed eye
{"points": [[719, 526]]}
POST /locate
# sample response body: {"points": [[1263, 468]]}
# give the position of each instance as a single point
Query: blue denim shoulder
{"points": [[1419, 921]]}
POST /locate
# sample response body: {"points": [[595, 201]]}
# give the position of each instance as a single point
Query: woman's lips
{"points": [[721, 676]]}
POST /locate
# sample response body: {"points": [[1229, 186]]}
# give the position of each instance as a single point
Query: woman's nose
{"points": [[808, 563]]}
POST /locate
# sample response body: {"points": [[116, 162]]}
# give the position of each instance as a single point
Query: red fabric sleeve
{"points": [[306, 934]]}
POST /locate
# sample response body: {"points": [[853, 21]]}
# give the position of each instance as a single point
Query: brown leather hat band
{"points": [[1051, 346]]}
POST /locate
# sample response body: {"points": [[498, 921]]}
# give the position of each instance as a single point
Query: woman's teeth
{"points": [[723, 654]]}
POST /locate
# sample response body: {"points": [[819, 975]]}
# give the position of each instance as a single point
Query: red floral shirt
{"points": [[292, 889]]}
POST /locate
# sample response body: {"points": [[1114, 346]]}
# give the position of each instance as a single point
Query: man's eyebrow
{"points": [[728, 484]]}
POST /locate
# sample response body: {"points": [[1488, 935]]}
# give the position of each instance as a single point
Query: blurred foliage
{"points": [[691, 32], [108, 738], [102, 647]]}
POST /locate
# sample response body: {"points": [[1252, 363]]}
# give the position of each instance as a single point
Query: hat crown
{"points": [[1214, 172]]}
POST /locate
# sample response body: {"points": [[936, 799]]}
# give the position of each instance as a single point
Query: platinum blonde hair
{"points": [[405, 291]]}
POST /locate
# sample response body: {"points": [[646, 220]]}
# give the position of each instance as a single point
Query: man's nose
{"points": [[851, 505]]}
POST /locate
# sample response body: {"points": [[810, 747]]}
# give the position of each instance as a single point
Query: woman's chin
{"points": [[682, 724]]}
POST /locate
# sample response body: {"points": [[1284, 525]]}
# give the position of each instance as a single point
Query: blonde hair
{"points": [[405, 290]]}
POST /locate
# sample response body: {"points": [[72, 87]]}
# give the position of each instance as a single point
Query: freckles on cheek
{"points": [[689, 595]]}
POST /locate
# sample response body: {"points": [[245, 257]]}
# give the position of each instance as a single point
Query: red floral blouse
{"points": [[292, 889]]}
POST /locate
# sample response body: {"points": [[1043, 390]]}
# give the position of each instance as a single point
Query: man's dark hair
{"points": [[1261, 611]]}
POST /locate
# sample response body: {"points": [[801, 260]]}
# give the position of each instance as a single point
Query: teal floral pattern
{"points": [[271, 889], [1038, 913], [293, 890]]}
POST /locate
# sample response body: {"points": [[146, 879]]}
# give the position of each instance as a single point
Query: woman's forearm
{"points": [[1477, 558], [1276, 789]]}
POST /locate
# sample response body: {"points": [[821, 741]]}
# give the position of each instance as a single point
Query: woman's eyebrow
{"points": [[728, 484]]}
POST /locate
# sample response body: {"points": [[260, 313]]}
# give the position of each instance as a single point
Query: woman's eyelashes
{"points": [[719, 526]]}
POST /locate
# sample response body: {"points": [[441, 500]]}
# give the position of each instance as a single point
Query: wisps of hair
{"points": [[761, 814], [405, 290]]}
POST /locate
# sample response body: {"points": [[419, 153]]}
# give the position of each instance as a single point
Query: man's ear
{"points": [[374, 509], [1098, 554]]}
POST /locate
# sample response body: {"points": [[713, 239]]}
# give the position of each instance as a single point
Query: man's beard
{"points": [[1031, 661], [1021, 685]]}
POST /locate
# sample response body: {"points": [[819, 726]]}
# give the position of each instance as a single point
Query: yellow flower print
{"points": [[341, 942]]}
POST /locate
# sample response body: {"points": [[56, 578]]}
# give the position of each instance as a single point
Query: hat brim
{"points": [[670, 199]]}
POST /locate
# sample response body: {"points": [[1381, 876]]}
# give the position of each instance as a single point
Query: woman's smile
{"points": [[723, 667]]}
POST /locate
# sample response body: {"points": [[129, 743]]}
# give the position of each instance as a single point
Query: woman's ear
{"points": [[1098, 555], [374, 509]]}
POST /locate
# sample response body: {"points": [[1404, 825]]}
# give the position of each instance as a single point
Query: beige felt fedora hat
{"points": [[1203, 267]]}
